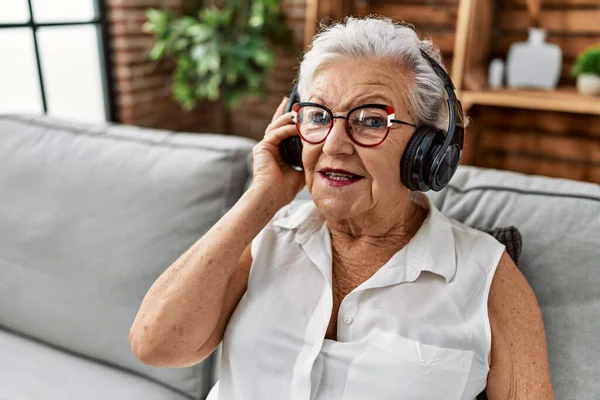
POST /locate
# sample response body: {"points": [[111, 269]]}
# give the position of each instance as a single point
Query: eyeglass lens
{"points": [[366, 125]]}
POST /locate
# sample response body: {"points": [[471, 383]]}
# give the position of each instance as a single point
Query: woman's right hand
{"points": [[271, 173]]}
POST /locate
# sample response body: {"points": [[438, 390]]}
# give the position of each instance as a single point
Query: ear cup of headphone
{"points": [[291, 151], [407, 164], [443, 170], [417, 157]]}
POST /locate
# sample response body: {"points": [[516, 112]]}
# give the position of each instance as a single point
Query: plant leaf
{"points": [[588, 62], [200, 33], [158, 51], [264, 57], [157, 21]]}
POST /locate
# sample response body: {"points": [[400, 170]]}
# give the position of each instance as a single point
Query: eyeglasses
{"points": [[367, 125]]}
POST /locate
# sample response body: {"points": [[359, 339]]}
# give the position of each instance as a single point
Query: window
{"points": [[53, 59]]}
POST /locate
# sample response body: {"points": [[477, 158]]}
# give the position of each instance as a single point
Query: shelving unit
{"points": [[555, 132], [564, 99], [472, 53]]}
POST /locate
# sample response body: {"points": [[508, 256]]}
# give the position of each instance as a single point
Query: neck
{"points": [[369, 241]]}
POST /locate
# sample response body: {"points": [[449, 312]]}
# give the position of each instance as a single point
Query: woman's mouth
{"points": [[338, 177]]}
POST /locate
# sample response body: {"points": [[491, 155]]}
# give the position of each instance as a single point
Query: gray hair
{"points": [[379, 38]]}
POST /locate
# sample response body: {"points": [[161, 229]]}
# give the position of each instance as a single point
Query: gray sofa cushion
{"points": [[36, 371], [560, 224], [90, 216]]}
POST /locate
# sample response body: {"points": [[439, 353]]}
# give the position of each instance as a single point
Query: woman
{"points": [[368, 292]]}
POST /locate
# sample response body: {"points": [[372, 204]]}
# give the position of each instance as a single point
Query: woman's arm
{"points": [[183, 315], [519, 359]]}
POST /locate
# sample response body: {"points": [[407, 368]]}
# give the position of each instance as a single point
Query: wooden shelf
{"points": [[564, 99]]}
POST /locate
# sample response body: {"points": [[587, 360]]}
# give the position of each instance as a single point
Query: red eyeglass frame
{"points": [[388, 109]]}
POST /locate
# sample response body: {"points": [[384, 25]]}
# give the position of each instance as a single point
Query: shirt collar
{"points": [[301, 215], [431, 249]]}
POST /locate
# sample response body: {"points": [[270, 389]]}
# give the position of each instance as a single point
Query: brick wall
{"points": [[143, 88]]}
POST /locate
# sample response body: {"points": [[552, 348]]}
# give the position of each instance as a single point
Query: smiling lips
{"points": [[338, 177]]}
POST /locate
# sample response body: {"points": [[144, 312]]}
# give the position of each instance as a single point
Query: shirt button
{"points": [[348, 319]]}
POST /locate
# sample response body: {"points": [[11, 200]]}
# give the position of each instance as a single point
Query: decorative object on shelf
{"points": [[534, 64], [496, 73], [224, 54], [587, 71]]}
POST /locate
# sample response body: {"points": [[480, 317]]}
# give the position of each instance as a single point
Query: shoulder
{"points": [[466, 237], [460, 244], [476, 245], [478, 236]]}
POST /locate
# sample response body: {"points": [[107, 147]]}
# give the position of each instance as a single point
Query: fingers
{"points": [[282, 120], [281, 125], [276, 135], [280, 110]]}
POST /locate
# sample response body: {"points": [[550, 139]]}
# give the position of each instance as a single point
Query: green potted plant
{"points": [[587, 71], [225, 52]]}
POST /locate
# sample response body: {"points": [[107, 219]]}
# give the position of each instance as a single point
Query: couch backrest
{"points": [[90, 216], [559, 221]]}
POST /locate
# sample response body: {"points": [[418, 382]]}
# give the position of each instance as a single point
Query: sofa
{"points": [[91, 215]]}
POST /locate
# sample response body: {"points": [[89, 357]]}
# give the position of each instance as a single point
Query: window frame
{"points": [[101, 23]]}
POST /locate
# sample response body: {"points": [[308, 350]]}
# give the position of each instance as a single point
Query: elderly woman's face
{"points": [[376, 186]]}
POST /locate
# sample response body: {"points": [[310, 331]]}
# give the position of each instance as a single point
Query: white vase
{"points": [[496, 73], [588, 84], [534, 64]]}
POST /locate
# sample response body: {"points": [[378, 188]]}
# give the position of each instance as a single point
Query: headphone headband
{"points": [[438, 70], [455, 112]]}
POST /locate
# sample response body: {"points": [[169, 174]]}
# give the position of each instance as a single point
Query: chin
{"points": [[337, 208], [341, 203]]}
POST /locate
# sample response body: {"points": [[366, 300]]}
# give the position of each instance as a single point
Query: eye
{"points": [[319, 117], [369, 118], [373, 122]]}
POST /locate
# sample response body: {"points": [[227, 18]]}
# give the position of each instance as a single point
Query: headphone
{"points": [[431, 156]]}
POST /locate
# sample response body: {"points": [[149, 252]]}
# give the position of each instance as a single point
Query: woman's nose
{"points": [[338, 142]]}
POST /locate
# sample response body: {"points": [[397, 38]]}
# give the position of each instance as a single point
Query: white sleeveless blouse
{"points": [[417, 329]]}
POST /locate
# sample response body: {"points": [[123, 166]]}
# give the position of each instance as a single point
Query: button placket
{"points": [[347, 316]]}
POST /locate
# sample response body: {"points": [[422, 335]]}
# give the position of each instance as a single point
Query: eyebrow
{"points": [[368, 99]]}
